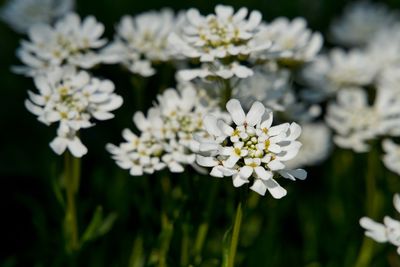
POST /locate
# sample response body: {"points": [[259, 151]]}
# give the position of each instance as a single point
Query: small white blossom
{"points": [[71, 98], [23, 14], [167, 134], [356, 121], [388, 231], [316, 145], [292, 41], [221, 41], [70, 42], [360, 22], [250, 148], [391, 159], [141, 41]]}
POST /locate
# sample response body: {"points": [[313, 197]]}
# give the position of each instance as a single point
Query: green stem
{"points": [[226, 93], [71, 176], [235, 235], [367, 247], [166, 236], [185, 245]]}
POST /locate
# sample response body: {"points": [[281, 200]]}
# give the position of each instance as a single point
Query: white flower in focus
{"points": [[23, 14], [250, 148], [70, 42], [391, 159], [71, 98], [340, 69], [389, 231], [360, 22], [292, 41], [167, 134], [219, 40], [356, 121], [316, 145], [142, 40]]}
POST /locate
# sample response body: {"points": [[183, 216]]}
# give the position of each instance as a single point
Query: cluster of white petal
{"points": [[250, 148], [356, 121], [141, 41], [340, 69], [23, 14], [388, 231], [360, 22], [166, 138], [70, 42], [316, 145], [71, 98], [292, 41], [220, 41]]}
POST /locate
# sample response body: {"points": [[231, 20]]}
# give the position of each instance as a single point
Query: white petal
{"points": [[374, 230], [275, 189], [59, 145], [235, 110], [206, 161], [238, 181], [76, 147], [259, 187], [255, 113], [245, 172]]}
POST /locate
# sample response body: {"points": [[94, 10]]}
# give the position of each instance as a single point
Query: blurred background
{"points": [[316, 225]]}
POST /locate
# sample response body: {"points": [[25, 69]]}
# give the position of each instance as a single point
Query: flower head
{"points": [[70, 42], [219, 40], [251, 147], [71, 98], [23, 14], [142, 41], [167, 134]]}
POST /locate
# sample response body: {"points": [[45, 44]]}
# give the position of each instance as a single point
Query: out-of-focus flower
{"points": [[23, 14], [360, 22], [356, 122], [141, 41], [219, 40], [250, 148], [339, 70], [389, 231], [316, 145], [166, 138], [391, 159], [71, 98], [292, 42], [267, 85], [70, 42]]}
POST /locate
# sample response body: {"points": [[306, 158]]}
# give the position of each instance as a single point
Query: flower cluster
{"points": [[389, 231], [23, 14], [166, 138], [70, 42], [357, 122], [250, 148], [220, 41], [141, 41], [71, 98], [292, 42]]}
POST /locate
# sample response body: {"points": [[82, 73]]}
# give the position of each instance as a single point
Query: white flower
{"points": [[251, 148], [316, 145], [391, 159], [167, 134], [142, 40], [23, 14], [340, 69], [67, 138], [221, 41], [71, 98], [356, 122], [71, 41], [389, 231], [292, 41], [360, 22]]}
